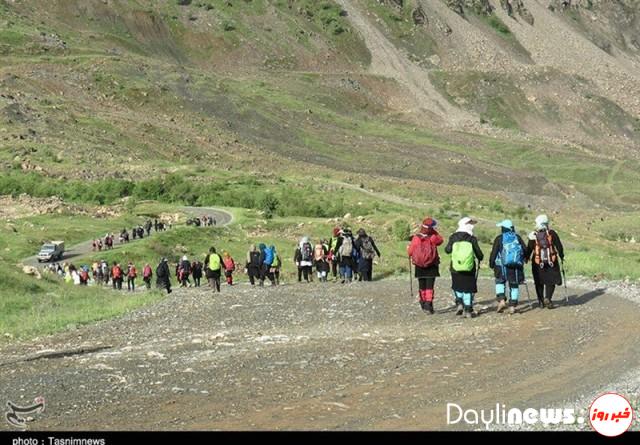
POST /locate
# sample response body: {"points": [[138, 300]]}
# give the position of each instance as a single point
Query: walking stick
{"points": [[410, 278], [526, 285], [564, 279]]}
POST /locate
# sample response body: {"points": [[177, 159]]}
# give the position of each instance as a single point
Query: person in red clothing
{"points": [[116, 276], [229, 267], [423, 252], [132, 274], [147, 274]]}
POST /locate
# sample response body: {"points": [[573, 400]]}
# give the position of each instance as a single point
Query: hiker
{"points": [[83, 276], [95, 271], [252, 267], [275, 265], [104, 269], [155, 224], [464, 249], [132, 274], [213, 266], [304, 260], [147, 274], [100, 245], [140, 232], [116, 276], [367, 249], [333, 254], [345, 251], [320, 261], [134, 231], [507, 261], [185, 272], [543, 249], [229, 267], [94, 246], [196, 272], [147, 227], [266, 259], [163, 276], [423, 251]]}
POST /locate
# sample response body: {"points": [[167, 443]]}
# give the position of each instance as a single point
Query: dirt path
{"points": [[302, 357], [222, 218], [388, 61]]}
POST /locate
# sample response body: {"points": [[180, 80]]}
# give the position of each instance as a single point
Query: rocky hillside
{"points": [[128, 88]]}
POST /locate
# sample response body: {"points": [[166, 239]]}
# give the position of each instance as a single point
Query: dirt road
{"points": [[222, 219], [302, 357]]}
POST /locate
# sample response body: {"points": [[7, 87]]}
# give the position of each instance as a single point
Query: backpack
{"points": [[545, 251], [117, 272], [462, 256], [318, 253], [84, 276], [366, 248], [306, 252], [268, 256], [425, 254], [146, 273], [512, 254], [161, 271], [132, 273], [214, 262], [229, 264], [276, 261], [346, 249]]}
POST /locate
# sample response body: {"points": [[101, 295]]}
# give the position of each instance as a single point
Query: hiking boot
{"points": [[460, 309], [428, 307], [501, 306], [547, 303], [540, 304], [469, 314], [512, 310]]}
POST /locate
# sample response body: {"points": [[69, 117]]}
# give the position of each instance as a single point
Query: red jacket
{"points": [[434, 238]]}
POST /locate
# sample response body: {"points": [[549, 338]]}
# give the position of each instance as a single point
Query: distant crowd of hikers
{"points": [[345, 258], [138, 232]]}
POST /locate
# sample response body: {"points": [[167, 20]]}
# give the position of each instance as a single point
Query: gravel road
{"points": [[318, 357]]}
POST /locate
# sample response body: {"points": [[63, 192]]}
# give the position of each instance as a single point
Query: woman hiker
{"points": [[545, 251], [423, 252], [464, 249], [507, 261]]}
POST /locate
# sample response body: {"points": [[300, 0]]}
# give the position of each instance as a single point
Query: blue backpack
{"points": [[512, 254], [268, 256]]}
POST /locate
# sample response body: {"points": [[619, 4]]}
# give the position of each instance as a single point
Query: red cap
{"points": [[429, 222]]}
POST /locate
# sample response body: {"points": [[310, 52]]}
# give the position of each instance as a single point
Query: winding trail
{"points": [[222, 217]]}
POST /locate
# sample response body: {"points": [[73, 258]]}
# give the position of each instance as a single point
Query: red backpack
{"points": [[425, 254]]}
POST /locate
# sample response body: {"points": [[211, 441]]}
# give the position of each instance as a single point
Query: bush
{"points": [[401, 230]]}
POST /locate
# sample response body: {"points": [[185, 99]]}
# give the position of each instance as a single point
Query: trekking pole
{"points": [[410, 278], [526, 285], [564, 279]]}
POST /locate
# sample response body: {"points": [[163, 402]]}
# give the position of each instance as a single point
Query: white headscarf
{"points": [[304, 240], [466, 225], [542, 222]]}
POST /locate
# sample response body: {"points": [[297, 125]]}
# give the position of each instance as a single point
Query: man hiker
{"points": [[116, 276], [132, 274], [304, 259], [507, 261], [345, 249], [423, 251], [333, 253], [196, 272], [213, 266], [545, 251], [252, 266], [368, 250], [320, 261], [464, 249], [163, 276], [147, 274], [266, 259]]}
